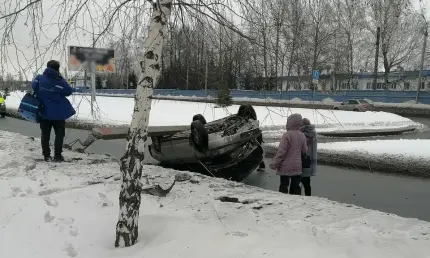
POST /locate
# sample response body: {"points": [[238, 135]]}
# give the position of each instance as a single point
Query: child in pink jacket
{"points": [[288, 159]]}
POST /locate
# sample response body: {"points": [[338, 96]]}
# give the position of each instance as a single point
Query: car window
{"points": [[363, 101], [353, 102]]}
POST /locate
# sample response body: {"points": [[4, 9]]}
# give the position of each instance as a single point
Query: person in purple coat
{"points": [[288, 159]]}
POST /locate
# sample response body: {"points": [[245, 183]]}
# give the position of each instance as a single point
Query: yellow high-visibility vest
{"points": [[1, 100]]}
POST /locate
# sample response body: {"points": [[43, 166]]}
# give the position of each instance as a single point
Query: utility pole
{"points": [[93, 82], [420, 80], [375, 72], [206, 73], [85, 81]]}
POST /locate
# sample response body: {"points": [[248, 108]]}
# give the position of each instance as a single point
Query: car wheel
{"points": [[200, 118], [336, 108], [247, 111], [3, 114], [199, 136], [356, 109]]}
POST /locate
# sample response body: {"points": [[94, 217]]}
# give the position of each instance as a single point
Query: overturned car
{"points": [[229, 147]]}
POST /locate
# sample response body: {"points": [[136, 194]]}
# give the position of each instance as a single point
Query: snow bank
{"points": [[407, 148], [118, 111], [410, 157], [70, 210], [328, 101], [408, 108]]}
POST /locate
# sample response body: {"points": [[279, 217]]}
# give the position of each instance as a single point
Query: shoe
{"points": [[59, 158], [47, 158]]}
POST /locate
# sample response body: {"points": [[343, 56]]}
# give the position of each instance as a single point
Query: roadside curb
{"points": [[390, 164]]}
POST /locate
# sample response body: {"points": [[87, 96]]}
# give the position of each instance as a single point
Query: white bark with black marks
{"points": [[131, 163]]}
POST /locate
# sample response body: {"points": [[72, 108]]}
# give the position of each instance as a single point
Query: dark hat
{"points": [[53, 64]]}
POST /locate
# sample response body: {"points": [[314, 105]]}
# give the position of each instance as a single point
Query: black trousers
{"points": [[294, 185], [60, 131], [306, 182]]}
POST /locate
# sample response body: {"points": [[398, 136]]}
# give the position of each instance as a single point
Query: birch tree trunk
{"points": [[131, 163]]}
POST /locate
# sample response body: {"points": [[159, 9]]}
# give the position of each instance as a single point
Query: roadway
{"points": [[404, 196]]}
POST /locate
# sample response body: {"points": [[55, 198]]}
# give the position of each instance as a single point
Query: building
{"points": [[398, 81]]}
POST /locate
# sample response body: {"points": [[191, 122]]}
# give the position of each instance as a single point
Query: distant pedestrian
{"points": [[309, 130], [51, 89], [288, 162]]}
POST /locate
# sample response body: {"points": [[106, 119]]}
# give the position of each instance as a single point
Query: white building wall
{"points": [[362, 84], [407, 84]]}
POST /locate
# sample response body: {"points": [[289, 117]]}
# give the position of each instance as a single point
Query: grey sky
{"points": [[51, 16]]}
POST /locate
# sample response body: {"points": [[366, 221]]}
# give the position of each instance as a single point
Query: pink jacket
{"points": [[288, 159]]}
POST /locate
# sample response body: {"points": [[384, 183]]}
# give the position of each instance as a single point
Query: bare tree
{"points": [[320, 31], [293, 34], [350, 16], [148, 68], [399, 33]]}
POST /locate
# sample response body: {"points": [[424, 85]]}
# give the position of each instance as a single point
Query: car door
{"points": [[352, 104], [344, 105]]}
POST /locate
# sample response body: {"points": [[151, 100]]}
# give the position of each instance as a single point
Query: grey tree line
{"points": [[292, 38]]}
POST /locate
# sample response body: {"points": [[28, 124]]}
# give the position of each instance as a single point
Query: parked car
{"points": [[358, 105], [2, 106], [229, 147]]}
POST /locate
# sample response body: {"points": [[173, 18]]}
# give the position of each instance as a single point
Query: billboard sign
{"points": [[81, 58]]}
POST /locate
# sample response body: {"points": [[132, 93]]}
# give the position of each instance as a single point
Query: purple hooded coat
{"points": [[288, 159]]}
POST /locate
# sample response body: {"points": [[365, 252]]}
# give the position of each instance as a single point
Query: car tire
{"points": [[199, 136], [336, 108], [3, 114], [356, 110], [200, 118], [247, 111]]}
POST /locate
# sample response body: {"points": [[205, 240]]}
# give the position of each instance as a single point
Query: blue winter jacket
{"points": [[51, 89]]}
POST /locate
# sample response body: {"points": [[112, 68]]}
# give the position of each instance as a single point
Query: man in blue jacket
{"points": [[51, 89]]}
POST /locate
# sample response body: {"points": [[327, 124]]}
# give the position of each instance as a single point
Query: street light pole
{"points": [[93, 82], [375, 69], [420, 77]]}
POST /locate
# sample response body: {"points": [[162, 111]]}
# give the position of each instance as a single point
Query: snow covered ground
{"points": [[328, 100], [118, 111], [407, 148], [70, 210]]}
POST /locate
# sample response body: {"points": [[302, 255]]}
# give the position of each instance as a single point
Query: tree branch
{"points": [[20, 10]]}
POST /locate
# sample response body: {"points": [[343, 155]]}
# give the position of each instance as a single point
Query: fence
{"points": [[378, 96]]}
